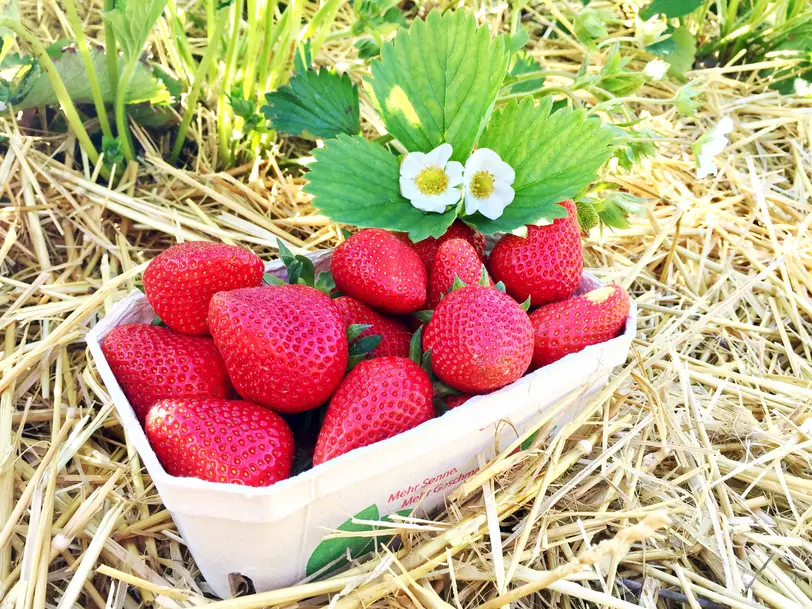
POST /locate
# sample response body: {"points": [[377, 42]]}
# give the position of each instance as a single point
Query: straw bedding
{"points": [[688, 480]]}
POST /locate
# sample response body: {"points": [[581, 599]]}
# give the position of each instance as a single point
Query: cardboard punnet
{"points": [[275, 535]]}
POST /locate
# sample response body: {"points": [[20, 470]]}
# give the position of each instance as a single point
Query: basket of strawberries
{"points": [[348, 388]]}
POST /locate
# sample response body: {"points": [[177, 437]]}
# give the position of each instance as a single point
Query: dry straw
{"points": [[686, 482]]}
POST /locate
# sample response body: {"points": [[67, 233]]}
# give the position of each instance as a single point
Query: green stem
{"points": [[191, 100], [338, 35], [541, 93], [98, 101], [252, 49], [180, 44], [111, 48], [224, 114], [121, 111], [65, 101], [267, 44], [319, 26], [211, 26]]}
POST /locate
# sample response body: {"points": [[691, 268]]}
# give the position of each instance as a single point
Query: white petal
{"points": [[492, 207], [454, 172], [433, 203], [725, 126], [504, 192], [439, 156], [471, 202], [409, 189], [502, 172], [449, 196], [482, 158], [412, 164]]}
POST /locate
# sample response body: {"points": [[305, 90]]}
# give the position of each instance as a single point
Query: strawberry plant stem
{"points": [[65, 101], [319, 26], [98, 101], [180, 43], [121, 112], [111, 48], [267, 44], [197, 83], [224, 114], [252, 48]]}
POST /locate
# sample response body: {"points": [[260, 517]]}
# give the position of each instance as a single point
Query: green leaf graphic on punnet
{"points": [[555, 155], [320, 103], [357, 182], [436, 82], [331, 550]]}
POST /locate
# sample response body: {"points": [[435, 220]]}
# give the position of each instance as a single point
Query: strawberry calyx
{"points": [[301, 271], [416, 354], [360, 347]]}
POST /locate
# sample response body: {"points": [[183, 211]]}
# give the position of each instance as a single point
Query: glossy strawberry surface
{"points": [[480, 340], [218, 440], [427, 248], [394, 335], [565, 327], [380, 398], [546, 265], [180, 282], [454, 257], [285, 347], [381, 270], [151, 363]]}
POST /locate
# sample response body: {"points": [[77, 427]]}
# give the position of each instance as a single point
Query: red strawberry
{"points": [[565, 327], [220, 441], [180, 282], [480, 339], [454, 257], [546, 265], [427, 248], [394, 335], [380, 398], [284, 346], [153, 363], [381, 270], [452, 401]]}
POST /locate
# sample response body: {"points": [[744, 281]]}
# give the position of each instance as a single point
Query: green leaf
{"points": [[331, 550], [669, 8], [37, 91], [113, 155], [356, 182], [367, 48], [325, 282], [416, 346], [484, 280], [456, 284], [525, 64], [554, 157], [525, 305], [303, 59], [616, 79], [500, 286], [516, 42], [615, 208], [424, 316], [425, 362], [589, 25], [679, 49], [132, 21], [272, 279], [529, 441], [354, 330], [318, 102], [442, 390], [365, 346], [307, 276], [436, 82]]}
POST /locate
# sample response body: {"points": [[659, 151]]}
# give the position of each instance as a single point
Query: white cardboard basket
{"points": [[273, 535]]}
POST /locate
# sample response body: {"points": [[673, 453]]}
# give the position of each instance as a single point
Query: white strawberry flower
{"points": [[431, 180], [656, 69], [709, 146], [488, 182]]}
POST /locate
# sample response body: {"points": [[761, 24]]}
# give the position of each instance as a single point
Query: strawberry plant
{"points": [[435, 87]]}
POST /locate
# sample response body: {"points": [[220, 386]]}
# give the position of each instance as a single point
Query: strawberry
{"points": [[452, 401], [378, 399], [561, 328], [381, 270], [427, 248], [284, 346], [153, 363], [454, 257], [180, 282], [546, 265], [480, 339], [394, 335], [220, 440]]}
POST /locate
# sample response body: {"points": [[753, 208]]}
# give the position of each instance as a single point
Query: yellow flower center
{"points": [[431, 181], [482, 184]]}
